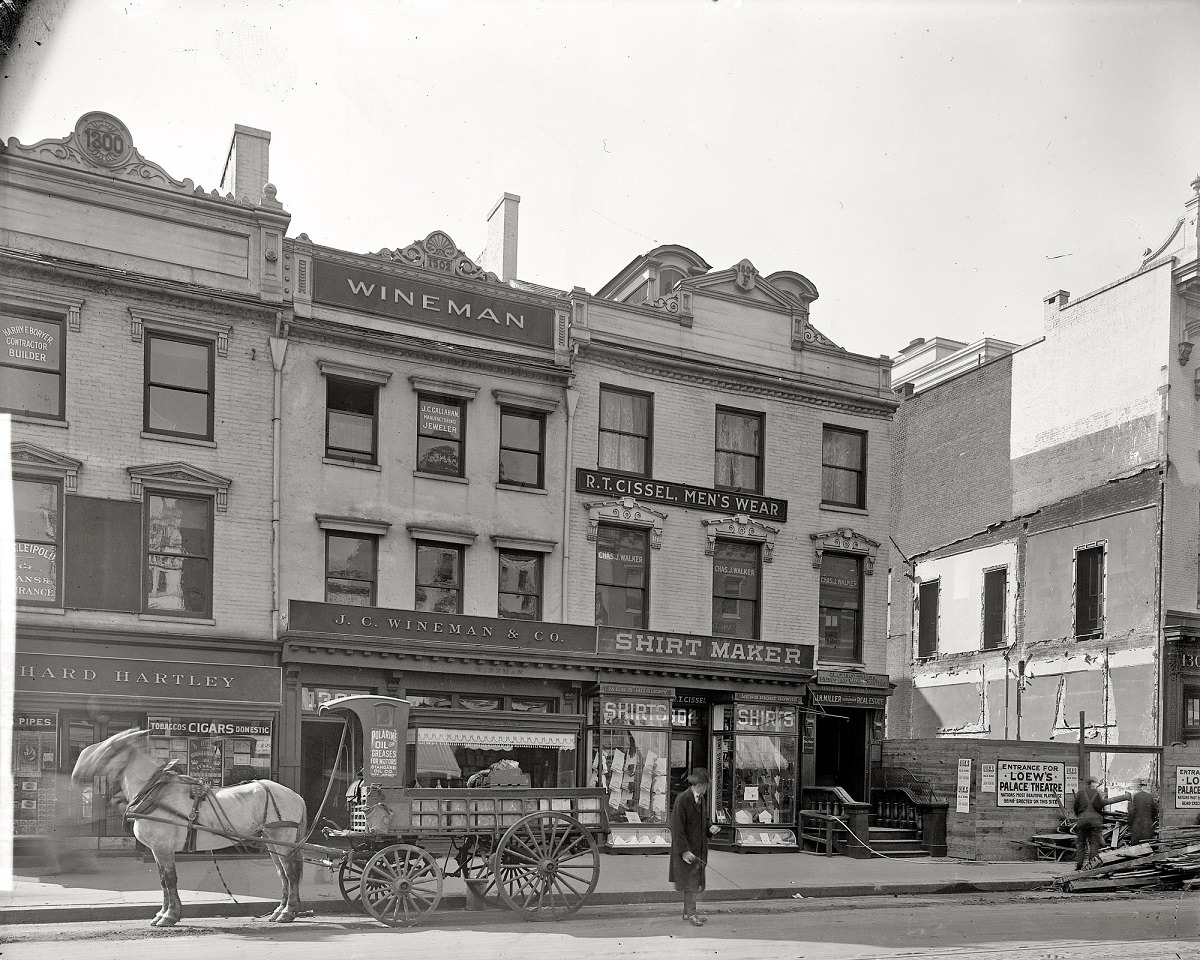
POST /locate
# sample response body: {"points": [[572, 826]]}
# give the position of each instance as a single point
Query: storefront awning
{"points": [[495, 739]]}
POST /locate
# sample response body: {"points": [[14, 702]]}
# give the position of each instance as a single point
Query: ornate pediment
{"points": [[100, 143], [179, 477], [625, 512], [740, 527], [31, 460], [439, 253], [845, 540]]}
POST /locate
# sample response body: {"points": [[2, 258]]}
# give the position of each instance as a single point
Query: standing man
{"points": [[689, 843], [1143, 812], [1089, 825]]}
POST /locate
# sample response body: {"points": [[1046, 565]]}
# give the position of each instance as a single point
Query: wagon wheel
{"points": [[401, 885], [546, 866], [349, 881]]}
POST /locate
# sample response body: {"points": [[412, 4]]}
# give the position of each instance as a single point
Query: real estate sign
{"points": [[1029, 783]]}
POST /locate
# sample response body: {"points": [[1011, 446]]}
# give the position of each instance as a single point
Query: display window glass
{"points": [[449, 757], [755, 764], [629, 756], [219, 753]]}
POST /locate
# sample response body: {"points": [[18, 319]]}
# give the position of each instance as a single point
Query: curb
{"points": [[88, 913]]}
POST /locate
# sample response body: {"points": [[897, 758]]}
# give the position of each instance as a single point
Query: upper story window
{"points": [[843, 467], [622, 576], [520, 588], [841, 607], [439, 584], [522, 444], [178, 555], [1089, 591], [38, 536], [179, 386], [668, 279], [441, 432], [626, 431], [995, 596], [351, 420], [32, 366], [928, 598], [1191, 711], [351, 566], [739, 451], [737, 573]]}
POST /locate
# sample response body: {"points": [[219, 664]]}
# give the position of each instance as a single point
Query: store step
{"points": [[896, 842]]}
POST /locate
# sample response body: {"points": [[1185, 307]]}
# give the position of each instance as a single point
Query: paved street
{"points": [[1022, 926]]}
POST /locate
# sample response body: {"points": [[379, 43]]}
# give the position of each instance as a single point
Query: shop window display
{"points": [[754, 764]]}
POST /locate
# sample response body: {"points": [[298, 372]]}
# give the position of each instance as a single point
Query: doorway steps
{"points": [[899, 842]]}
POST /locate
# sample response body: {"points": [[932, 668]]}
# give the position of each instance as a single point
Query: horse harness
{"points": [[148, 799]]}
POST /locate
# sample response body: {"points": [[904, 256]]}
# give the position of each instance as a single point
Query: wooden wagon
{"points": [[533, 849]]}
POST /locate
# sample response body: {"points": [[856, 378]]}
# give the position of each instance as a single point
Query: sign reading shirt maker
{"points": [[679, 494], [353, 621], [144, 679], [403, 299], [688, 648]]}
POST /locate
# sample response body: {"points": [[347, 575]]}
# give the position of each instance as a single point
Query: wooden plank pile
{"points": [[1170, 863]]}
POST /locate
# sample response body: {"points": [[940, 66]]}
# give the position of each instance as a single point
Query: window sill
{"points": [[539, 491], [830, 664], [352, 464], [40, 421], [190, 621], [440, 476], [45, 611], [188, 441], [836, 508]]}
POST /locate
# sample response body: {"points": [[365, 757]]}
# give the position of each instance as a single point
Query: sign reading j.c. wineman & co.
{"points": [[417, 301]]}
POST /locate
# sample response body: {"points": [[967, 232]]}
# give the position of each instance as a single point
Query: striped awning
{"points": [[495, 739]]}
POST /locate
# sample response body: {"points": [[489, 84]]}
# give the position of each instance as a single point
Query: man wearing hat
{"points": [[689, 843], [1089, 826], [1142, 813]]}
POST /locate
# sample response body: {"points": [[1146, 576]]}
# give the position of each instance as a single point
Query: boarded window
{"points": [[927, 619], [103, 554], [995, 592], [1089, 592]]}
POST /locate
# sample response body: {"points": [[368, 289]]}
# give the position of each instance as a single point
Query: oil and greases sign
{"points": [[398, 297], [1029, 783]]}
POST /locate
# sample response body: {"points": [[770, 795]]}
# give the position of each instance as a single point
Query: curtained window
{"points": [[624, 437], [843, 467], [739, 449]]}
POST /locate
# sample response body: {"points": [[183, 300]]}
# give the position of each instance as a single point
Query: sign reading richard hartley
{"points": [[679, 494], [403, 299]]}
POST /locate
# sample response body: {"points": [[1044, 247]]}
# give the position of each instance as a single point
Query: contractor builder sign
{"points": [[432, 304]]}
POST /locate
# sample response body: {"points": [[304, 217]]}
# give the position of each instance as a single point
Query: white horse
{"points": [[163, 804]]}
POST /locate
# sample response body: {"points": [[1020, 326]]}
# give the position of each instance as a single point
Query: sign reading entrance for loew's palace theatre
{"points": [[451, 308], [679, 494]]}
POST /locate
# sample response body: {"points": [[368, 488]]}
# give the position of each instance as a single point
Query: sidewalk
{"points": [[125, 888]]}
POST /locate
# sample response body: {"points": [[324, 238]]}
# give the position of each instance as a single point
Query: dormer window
{"points": [[668, 279]]}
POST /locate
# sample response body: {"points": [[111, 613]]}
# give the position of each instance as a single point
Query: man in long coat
{"points": [[1143, 811], [1089, 828], [689, 843]]}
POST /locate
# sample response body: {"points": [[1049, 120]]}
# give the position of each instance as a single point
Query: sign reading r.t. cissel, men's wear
{"points": [[451, 308], [680, 494]]}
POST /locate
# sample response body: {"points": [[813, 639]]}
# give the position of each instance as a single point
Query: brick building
{"points": [[1044, 503], [136, 311]]}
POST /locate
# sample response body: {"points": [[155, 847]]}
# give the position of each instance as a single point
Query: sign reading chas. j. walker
{"points": [[147, 679], [1029, 783], [679, 494], [376, 292], [633, 644], [351, 621]]}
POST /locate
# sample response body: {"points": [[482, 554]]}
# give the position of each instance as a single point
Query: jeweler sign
{"points": [[1187, 787], [1029, 783]]}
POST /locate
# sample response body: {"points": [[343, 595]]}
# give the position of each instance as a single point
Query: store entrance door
{"points": [[100, 802], [688, 749], [319, 741], [841, 753]]}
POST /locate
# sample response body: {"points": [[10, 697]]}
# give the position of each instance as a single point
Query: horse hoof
{"points": [[285, 918]]}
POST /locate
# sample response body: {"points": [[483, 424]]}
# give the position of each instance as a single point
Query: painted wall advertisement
{"points": [[1187, 787], [1029, 783], [964, 787]]}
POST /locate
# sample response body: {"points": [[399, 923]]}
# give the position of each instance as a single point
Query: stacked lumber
{"points": [[1169, 863]]}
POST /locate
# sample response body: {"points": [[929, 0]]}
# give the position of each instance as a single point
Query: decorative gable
{"points": [[740, 527], [179, 477], [845, 540], [627, 512], [437, 252], [32, 460]]}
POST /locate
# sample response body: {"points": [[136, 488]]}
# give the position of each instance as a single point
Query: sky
{"points": [[934, 168]]}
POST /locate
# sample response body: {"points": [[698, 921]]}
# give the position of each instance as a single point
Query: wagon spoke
{"points": [[401, 885]]}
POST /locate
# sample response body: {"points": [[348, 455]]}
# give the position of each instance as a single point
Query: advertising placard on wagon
{"points": [[1029, 783]]}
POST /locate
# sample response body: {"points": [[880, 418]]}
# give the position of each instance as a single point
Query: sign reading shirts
{"points": [[1029, 783], [450, 308], [1187, 787]]}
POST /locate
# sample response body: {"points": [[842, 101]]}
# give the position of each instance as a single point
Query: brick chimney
{"points": [[1052, 303], [500, 254], [247, 167]]}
